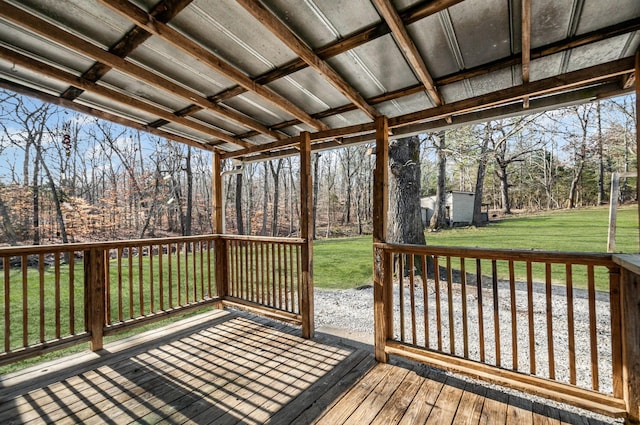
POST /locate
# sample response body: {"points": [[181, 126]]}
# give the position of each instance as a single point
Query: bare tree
{"points": [[439, 219]]}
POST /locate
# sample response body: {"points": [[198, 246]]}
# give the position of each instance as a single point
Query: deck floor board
{"points": [[227, 367]]}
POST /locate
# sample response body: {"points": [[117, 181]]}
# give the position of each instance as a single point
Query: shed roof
{"points": [[246, 76]]}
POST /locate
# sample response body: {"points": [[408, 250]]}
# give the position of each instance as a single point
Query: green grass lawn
{"points": [[347, 263]]}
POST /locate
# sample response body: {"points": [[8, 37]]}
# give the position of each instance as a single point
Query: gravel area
{"points": [[349, 313]]}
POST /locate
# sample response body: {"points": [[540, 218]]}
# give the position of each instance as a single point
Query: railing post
{"points": [[630, 306], [382, 283], [221, 273], [94, 290], [306, 233]]}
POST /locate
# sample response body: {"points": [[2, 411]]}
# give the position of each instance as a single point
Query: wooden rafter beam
{"points": [[163, 11], [408, 16], [408, 47], [84, 109], [175, 38], [543, 87], [299, 47], [114, 61], [114, 95], [599, 74], [595, 36], [526, 44]]}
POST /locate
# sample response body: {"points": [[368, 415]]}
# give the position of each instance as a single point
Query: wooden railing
{"points": [[265, 272], [544, 322], [56, 296]]}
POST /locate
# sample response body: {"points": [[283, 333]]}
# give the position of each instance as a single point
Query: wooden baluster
{"points": [[480, 308], [161, 276], [152, 307], [452, 336], [25, 302], [400, 271], [119, 267], [141, 280], [532, 344], [436, 278], [178, 274], [72, 294], [56, 266], [6, 266], [593, 331], [570, 324], [425, 300], [514, 316], [42, 300], [170, 273], [412, 294], [496, 310], [209, 287], [549, 310], [616, 331], [465, 318]]}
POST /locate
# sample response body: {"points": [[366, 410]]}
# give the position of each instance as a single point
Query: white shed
{"points": [[459, 208]]}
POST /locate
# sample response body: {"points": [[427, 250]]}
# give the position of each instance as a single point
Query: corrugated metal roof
{"points": [[243, 83]]}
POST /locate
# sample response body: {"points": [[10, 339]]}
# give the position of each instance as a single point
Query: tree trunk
{"points": [[316, 160], [275, 173], [239, 221], [265, 202], [36, 196], [501, 172], [601, 194], [439, 219], [404, 192], [189, 213], [482, 170]]}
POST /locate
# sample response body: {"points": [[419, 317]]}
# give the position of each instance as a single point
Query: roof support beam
{"points": [[111, 60], [526, 44], [408, 47], [291, 40], [75, 106], [605, 33], [163, 11], [408, 16], [67, 78], [598, 74], [144, 20]]}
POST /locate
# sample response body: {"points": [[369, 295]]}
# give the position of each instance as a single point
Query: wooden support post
{"points": [[222, 280], [306, 233], [381, 259], [630, 305], [94, 293]]}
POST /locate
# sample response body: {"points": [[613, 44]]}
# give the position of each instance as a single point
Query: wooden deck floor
{"points": [[235, 368]]}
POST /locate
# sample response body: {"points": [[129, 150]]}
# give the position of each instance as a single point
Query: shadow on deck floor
{"points": [[228, 367]]}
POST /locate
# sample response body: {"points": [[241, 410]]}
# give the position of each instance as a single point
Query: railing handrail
{"points": [[559, 257], [81, 246]]}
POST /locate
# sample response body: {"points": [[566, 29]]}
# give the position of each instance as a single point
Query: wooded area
{"points": [[67, 177]]}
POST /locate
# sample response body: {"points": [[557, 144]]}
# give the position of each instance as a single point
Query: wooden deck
{"points": [[234, 368]]}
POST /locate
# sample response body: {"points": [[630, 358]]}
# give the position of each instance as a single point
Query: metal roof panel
{"points": [[375, 68], [482, 29]]}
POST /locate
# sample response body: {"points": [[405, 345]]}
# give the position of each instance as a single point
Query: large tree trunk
{"points": [[482, 170], [405, 219], [265, 202], [501, 172], [189, 212], [239, 222], [439, 219], [36, 196]]}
